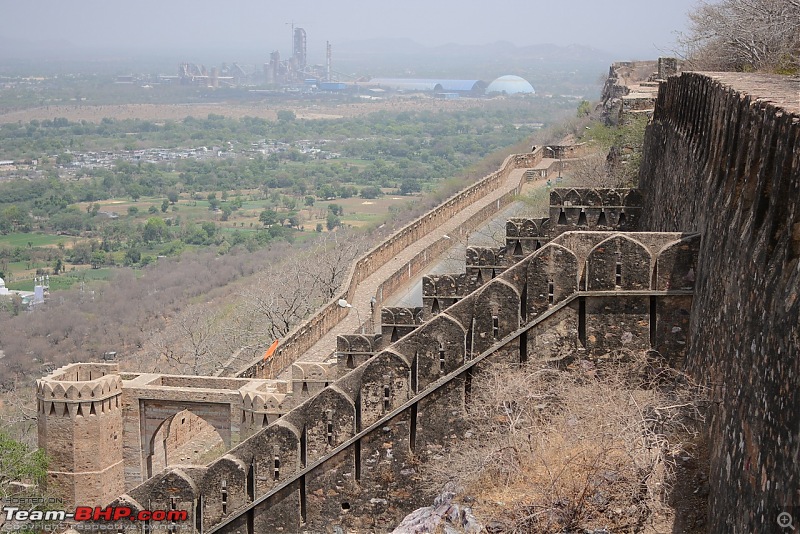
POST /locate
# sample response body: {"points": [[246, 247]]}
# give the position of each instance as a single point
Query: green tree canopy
{"points": [[19, 464], [155, 229], [268, 217]]}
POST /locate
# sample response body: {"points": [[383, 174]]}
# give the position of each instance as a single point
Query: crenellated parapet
{"points": [[350, 452], [595, 209], [78, 390], [491, 261], [354, 349], [524, 236], [80, 428], [263, 403], [396, 322], [309, 378], [440, 291]]}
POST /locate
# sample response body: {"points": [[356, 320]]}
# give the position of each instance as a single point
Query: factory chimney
{"points": [[328, 61]]}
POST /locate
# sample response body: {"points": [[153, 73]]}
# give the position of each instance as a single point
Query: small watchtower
{"points": [[80, 429]]}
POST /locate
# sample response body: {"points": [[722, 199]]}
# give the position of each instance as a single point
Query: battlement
{"points": [[487, 257], [264, 404], [354, 349], [84, 387], [80, 382], [440, 291], [595, 197], [364, 432], [396, 322], [309, 378], [444, 285], [401, 316], [524, 236], [524, 228], [595, 209]]}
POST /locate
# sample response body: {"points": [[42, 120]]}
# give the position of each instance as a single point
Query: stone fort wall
{"points": [[352, 455], [721, 161], [718, 162], [302, 337]]}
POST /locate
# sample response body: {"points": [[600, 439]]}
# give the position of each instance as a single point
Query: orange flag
{"points": [[271, 350]]}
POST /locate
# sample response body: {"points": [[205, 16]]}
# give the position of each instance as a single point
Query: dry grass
{"points": [[588, 447]]}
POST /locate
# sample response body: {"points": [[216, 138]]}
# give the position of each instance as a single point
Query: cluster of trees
{"points": [[247, 299], [744, 35], [402, 151], [382, 133], [120, 315], [18, 463], [200, 339]]}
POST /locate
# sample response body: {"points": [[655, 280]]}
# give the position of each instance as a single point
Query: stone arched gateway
{"points": [[160, 418], [132, 408]]}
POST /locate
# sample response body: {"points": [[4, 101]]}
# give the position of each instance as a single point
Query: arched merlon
{"points": [[356, 343], [385, 384], [176, 487], [328, 418], [676, 264], [274, 453], [496, 313], [225, 487], [437, 346], [619, 262], [552, 276]]}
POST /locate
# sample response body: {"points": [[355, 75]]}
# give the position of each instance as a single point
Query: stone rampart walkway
{"points": [[326, 346]]}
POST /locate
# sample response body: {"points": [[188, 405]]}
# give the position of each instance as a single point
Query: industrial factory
{"points": [[295, 75]]}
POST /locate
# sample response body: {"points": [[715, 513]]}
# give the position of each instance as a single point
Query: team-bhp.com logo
{"points": [[84, 514]]}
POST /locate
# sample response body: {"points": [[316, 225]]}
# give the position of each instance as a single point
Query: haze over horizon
{"points": [[629, 30]]}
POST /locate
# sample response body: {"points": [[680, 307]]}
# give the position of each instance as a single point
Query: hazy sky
{"points": [[629, 29]]}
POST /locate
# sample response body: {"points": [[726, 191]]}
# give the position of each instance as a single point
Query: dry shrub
{"points": [[593, 171], [586, 447]]}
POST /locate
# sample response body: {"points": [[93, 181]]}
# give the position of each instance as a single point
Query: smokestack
{"points": [[328, 60]]}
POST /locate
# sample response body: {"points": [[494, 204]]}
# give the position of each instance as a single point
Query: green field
{"points": [[65, 281], [20, 239]]}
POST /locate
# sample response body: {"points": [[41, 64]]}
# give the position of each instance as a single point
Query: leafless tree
{"points": [[282, 296], [743, 35], [287, 292], [592, 171], [188, 344], [331, 259]]}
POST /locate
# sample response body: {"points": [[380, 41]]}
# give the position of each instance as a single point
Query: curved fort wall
{"points": [[721, 161], [311, 330]]}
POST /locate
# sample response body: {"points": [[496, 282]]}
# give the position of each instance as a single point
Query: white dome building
{"points": [[511, 85]]}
